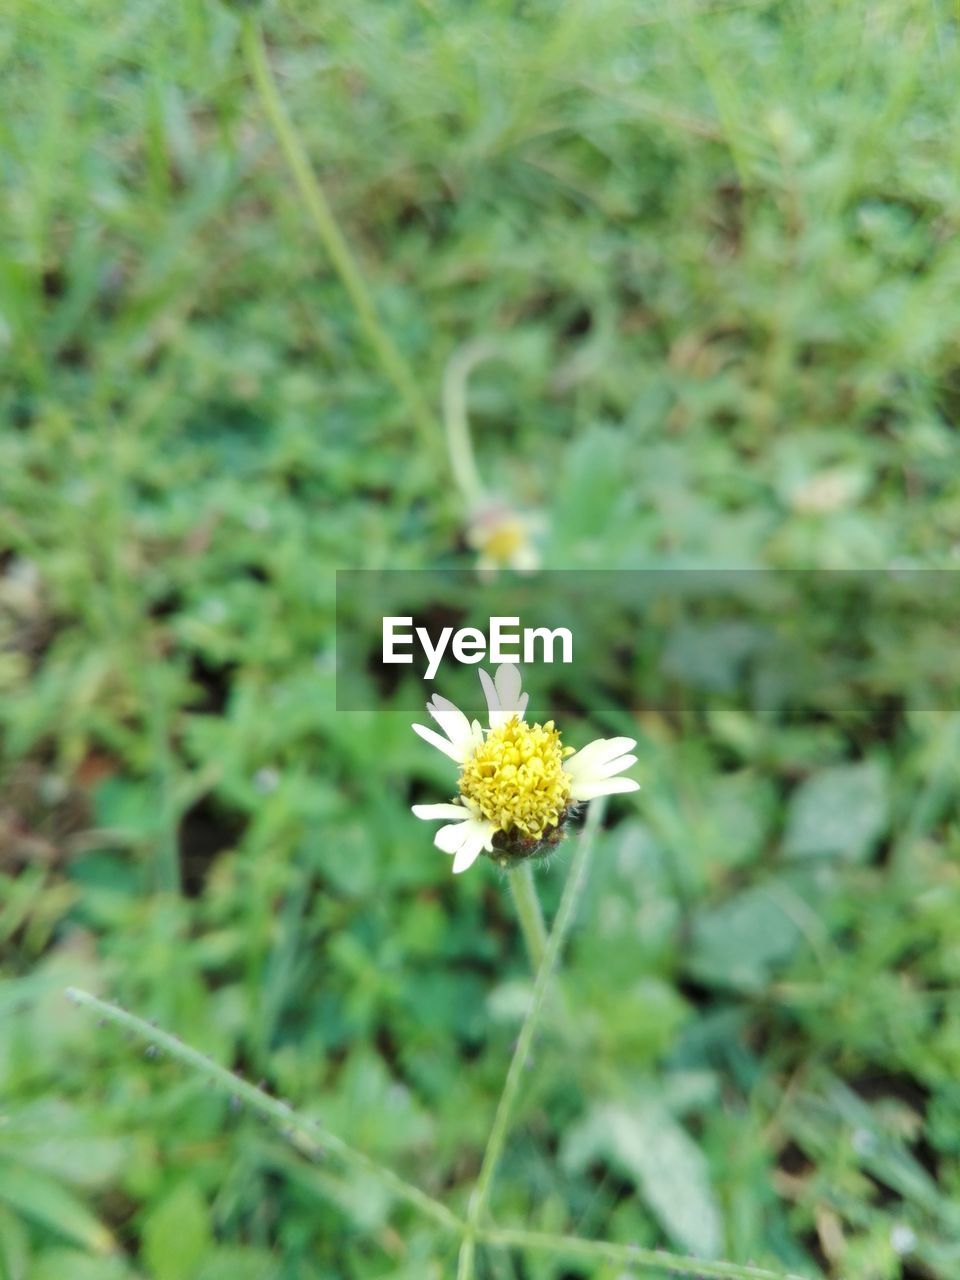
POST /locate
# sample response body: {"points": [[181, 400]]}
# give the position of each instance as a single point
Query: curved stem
{"points": [[315, 202], [528, 912], [456, 423], [308, 1136]]}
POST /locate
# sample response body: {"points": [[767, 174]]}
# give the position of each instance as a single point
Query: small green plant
{"points": [[312, 1139]]}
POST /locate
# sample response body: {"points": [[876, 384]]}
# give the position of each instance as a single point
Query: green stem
{"points": [[315, 202], [528, 912], [456, 422], [511, 1087], [466, 1256], [308, 1136], [597, 1251]]}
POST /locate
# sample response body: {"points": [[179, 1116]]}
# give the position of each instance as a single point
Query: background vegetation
{"points": [[718, 246]]}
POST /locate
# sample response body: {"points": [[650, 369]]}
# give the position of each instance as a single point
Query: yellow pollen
{"points": [[516, 778]]}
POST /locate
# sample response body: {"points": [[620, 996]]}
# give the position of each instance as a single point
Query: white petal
{"points": [[489, 692], [453, 723], [607, 770], [509, 685], [465, 839], [602, 787], [469, 851], [596, 754], [504, 699], [607, 748], [525, 559], [435, 740], [450, 838], [455, 811], [485, 831], [582, 761], [444, 704]]}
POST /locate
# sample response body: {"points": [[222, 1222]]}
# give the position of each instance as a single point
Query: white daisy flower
{"points": [[518, 783]]}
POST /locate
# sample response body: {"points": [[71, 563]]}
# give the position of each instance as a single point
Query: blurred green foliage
{"points": [[718, 245]]}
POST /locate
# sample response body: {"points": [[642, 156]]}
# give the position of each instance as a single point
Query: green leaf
{"points": [[58, 1264], [14, 1247], [643, 1141], [739, 943], [40, 1198], [710, 657], [176, 1235], [240, 1263], [53, 1137], [839, 811], [123, 805]]}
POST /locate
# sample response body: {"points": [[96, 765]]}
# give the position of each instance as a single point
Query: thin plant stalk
{"points": [[456, 423], [527, 904], [511, 1087], [309, 1136], [317, 206], [625, 1255]]}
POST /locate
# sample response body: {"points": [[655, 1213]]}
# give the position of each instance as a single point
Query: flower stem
{"points": [[391, 359], [511, 1087], [465, 1257], [625, 1255], [308, 1136], [456, 423], [528, 912]]}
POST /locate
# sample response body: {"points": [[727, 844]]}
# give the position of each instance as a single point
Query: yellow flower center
{"points": [[503, 540], [516, 777]]}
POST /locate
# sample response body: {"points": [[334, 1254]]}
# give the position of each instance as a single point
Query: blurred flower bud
{"points": [[504, 538]]}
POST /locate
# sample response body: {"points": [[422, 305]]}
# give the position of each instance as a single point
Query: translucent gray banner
{"points": [[768, 640]]}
